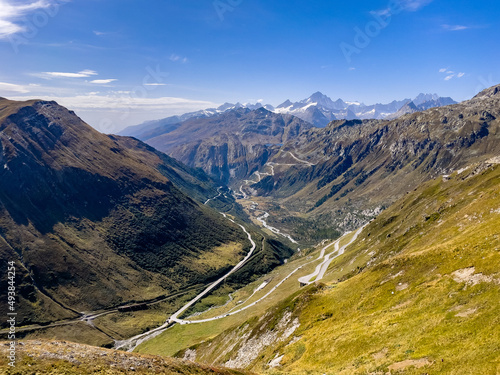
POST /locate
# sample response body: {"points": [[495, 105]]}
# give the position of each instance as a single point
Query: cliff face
{"points": [[230, 146]]}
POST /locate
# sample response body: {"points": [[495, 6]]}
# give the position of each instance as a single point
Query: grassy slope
{"points": [[62, 358], [400, 297]]}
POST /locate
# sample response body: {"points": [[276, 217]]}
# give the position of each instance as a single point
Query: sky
{"points": [[121, 62]]}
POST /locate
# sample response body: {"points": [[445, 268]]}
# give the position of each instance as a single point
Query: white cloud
{"points": [[450, 74], [8, 28], [121, 102], [155, 84], [12, 88], [178, 58], [99, 33], [382, 12], [401, 5], [414, 5], [112, 111], [11, 12], [455, 27], [83, 74], [103, 81]]}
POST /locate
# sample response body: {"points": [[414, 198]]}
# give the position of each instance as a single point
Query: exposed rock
{"points": [[418, 363]]}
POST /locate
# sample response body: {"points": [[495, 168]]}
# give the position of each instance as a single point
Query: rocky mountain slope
{"points": [[93, 221], [61, 357], [337, 174], [232, 145], [155, 128], [416, 293]]}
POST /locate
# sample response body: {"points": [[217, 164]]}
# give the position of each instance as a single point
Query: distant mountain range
{"points": [[318, 110]]}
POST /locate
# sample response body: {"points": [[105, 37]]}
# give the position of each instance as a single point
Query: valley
{"points": [[249, 187], [289, 233], [107, 221], [320, 182], [254, 335]]}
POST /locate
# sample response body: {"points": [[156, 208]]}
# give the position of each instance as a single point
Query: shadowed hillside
{"points": [[93, 221]]}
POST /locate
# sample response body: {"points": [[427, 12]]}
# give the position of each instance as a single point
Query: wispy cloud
{"points": [[177, 58], [401, 5], [414, 5], [98, 101], [103, 81], [11, 12], [13, 88], [155, 84], [455, 27], [82, 74], [450, 74]]}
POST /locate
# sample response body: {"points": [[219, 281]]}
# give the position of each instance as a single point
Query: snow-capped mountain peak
{"points": [[320, 100]]}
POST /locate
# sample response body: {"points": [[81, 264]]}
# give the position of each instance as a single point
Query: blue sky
{"points": [[120, 62]]}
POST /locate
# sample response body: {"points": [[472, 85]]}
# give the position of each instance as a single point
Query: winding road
{"points": [[262, 220], [133, 342], [321, 268], [174, 317], [318, 274], [217, 196], [305, 280]]}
